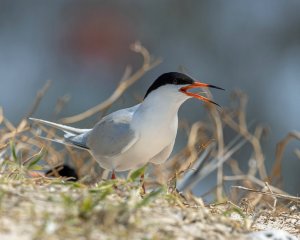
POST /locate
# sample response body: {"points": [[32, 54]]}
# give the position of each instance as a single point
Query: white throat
{"points": [[160, 108]]}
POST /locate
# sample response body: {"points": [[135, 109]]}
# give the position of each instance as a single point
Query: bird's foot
{"points": [[113, 175], [142, 182]]}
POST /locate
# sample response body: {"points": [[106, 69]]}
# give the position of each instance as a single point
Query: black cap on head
{"points": [[170, 78]]}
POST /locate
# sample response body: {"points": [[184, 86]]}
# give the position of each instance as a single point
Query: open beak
{"points": [[199, 85]]}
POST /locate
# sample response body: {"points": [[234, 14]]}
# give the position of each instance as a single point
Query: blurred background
{"points": [[83, 47]]}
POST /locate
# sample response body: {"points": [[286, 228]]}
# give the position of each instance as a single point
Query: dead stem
{"points": [[39, 96], [276, 171], [220, 138], [241, 127], [272, 194], [127, 80]]}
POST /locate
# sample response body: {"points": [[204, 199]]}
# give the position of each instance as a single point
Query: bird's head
{"points": [[177, 85]]}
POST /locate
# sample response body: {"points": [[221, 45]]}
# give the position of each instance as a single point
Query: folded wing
{"points": [[113, 135]]}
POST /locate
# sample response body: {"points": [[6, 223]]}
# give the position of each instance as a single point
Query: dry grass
{"points": [[36, 207]]}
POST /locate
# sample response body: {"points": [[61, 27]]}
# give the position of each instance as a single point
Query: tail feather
{"points": [[68, 135], [74, 137], [62, 127], [62, 141]]}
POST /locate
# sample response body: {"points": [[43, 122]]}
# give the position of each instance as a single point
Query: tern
{"points": [[145, 133]]}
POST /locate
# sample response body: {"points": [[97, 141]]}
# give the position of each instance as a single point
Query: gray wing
{"points": [[113, 134], [79, 140]]}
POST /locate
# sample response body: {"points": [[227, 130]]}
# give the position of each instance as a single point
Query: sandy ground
{"points": [[54, 210]]}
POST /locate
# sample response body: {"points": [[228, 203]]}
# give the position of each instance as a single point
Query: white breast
{"points": [[155, 122]]}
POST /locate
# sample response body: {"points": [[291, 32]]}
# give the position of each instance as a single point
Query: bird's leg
{"points": [[113, 175], [142, 181]]}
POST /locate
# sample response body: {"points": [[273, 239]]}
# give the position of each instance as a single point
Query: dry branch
{"points": [[276, 171], [39, 96], [254, 180], [254, 139], [220, 138], [127, 80], [272, 194], [1, 115]]}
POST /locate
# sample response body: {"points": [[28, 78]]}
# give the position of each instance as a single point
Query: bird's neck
{"points": [[158, 112]]}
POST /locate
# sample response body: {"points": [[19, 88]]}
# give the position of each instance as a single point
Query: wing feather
{"points": [[113, 135]]}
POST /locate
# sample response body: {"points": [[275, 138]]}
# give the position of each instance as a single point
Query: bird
{"points": [[130, 138]]}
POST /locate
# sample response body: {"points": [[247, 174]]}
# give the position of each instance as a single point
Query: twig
{"points": [[9, 125], [191, 147], [1, 115], [278, 195], [61, 102], [40, 94], [213, 164], [188, 181], [252, 138], [125, 83], [274, 198], [219, 131], [254, 180], [276, 171]]}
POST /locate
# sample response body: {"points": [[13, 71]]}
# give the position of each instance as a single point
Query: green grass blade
{"points": [[31, 165], [150, 197], [13, 151], [137, 173]]}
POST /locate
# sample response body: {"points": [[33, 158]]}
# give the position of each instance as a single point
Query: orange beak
{"points": [[199, 85]]}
